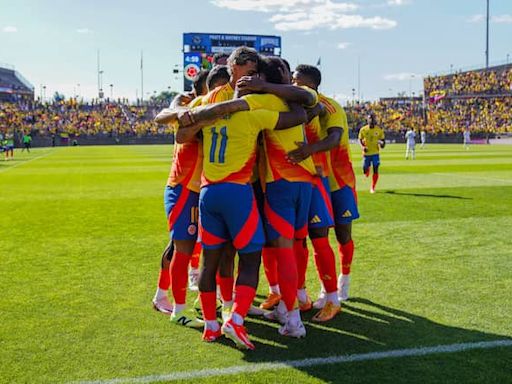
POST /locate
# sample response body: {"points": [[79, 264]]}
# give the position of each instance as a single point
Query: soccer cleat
{"points": [[276, 315], [343, 287], [162, 305], [293, 330], [238, 334], [187, 319], [193, 279], [271, 301], [327, 313], [211, 335], [320, 302], [372, 190], [305, 306], [255, 311]]}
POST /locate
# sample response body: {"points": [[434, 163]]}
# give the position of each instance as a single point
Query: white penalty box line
{"points": [[311, 362]]}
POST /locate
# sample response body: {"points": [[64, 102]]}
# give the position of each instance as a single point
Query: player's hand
{"points": [[301, 153], [365, 149], [185, 118], [166, 116], [382, 143], [251, 83]]}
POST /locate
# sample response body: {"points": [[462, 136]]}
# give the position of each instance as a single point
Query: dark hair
{"points": [[219, 56], [219, 72], [199, 82], [243, 54], [287, 64], [311, 72], [273, 68]]}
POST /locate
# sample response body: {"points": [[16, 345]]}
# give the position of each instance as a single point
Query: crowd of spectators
{"points": [[75, 119], [496, 81]]}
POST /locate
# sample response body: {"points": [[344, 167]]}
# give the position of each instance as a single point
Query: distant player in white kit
{"points": [[410, 139], [423, 136], [467, 138]]}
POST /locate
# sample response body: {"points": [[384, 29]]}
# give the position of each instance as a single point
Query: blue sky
{"points": [[54, 42]]}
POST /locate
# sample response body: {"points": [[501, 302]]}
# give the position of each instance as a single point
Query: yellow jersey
{"points": [[342, 172], [278, 143], [370, 138], [221, 93], [230, 146]]}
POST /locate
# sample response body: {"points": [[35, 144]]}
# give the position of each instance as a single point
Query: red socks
{"points": [[244, 296], [375, 177], [164, 280], [287, 276], [179, 275], [196, 253], [325, 263], [270, 265], [346, 255], [209, 305], [301, 251], [226, 287]]}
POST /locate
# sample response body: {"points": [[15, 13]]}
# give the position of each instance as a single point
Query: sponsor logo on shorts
{"points": [[192, 229], [347, 213], [315, 220]]}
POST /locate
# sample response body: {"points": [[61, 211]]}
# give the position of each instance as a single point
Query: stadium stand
{"points": [[13, 86]]}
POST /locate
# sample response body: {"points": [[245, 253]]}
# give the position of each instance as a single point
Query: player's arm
{"points": [[305, 150], [289, 93], [361, 141], [296, 116], [382, 141], [317, 110], [193, 120]]}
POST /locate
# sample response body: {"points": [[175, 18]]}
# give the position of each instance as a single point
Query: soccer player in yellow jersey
{"points": [[229, 145], [321, 214], [371, 138]]}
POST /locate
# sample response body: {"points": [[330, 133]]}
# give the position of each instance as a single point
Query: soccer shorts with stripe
{"points": [[228, 212], [320, 209], [344, 205], [369, 160], [287, 208], [181, 209]]}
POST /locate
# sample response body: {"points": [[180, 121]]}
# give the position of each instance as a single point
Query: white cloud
{"points": [[84, 30], [343, 45], [397, 2], [402, 76], [502, 19], [475, 18], [307, 15], [9, 29], [498, 19]]}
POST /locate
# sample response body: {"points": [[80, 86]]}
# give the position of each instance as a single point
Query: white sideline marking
{"points": [[272, 366], [26, 162]]}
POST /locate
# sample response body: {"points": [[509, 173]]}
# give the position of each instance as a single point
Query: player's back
{"points": [[229, 145], [279, 143]]}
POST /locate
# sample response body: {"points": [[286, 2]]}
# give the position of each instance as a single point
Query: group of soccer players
{"points": [[261, 162]]}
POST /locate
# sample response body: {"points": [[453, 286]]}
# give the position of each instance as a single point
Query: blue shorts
{"points": [[320, 210], [287, 208], [344, 205], [228, 212], [371, 159], [181, 209]]}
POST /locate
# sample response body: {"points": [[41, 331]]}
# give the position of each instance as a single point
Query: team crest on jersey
{"points": [[192, 229]]}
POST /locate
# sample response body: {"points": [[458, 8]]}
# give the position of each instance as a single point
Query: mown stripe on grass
{"points": [[272, 366]]}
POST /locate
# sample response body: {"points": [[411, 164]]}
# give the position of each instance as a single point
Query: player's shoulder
{"points": [[331, 105], [217, 94]]}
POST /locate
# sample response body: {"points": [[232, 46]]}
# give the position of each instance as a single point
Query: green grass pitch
{"points": [[82, 230]]}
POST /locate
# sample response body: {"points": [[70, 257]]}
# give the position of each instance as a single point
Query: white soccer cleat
{"points": [[276, 315], [343, 287], [372, 190], [296, 330], [255, 311], [320, 302], [163, 305], [193, 279]]}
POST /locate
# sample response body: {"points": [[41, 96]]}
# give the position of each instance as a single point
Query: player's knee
{"points": [[343, 233], [249, 268], [375, 169], [315, 233]]}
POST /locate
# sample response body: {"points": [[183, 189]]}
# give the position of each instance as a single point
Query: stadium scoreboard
{"points": [[199, 48]]}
